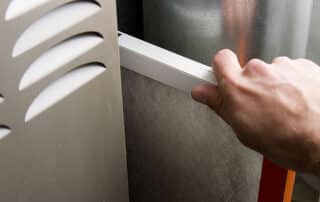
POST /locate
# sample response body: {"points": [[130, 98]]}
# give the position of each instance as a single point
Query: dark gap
{"points": [[130, 17], [84, 66], [5, 127], [130, 21], [92, 33], [76, 1], [91, 1], [1, 98]]}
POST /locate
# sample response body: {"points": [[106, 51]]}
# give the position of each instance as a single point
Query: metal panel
{"points": [[252, 28], [61, 119]]}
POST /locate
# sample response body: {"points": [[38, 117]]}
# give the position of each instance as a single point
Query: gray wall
{"points": [[130, 17]]}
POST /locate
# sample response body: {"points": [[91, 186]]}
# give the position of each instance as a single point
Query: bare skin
{"points": [[273, 108]]}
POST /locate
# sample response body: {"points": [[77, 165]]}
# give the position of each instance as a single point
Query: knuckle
{"points": [[254, 63], [224, 51], [281, 59], [255, 66], [227, 84], [303, 61]]}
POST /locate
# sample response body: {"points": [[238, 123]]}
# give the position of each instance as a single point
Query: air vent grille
{"points": [[4, 131], [56, 57], [53, 23], [63, 87], [54, 69], [19, 7]]}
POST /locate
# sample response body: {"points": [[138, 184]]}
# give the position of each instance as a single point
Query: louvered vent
{"points": [[61, 120], [59, 56], [4, 131], [53, 23], [63, 87], [20, 7]]}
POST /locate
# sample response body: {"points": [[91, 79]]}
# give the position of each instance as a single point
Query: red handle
{"points": [[276, 184]]}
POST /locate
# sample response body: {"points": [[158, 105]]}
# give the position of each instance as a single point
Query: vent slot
{"points": [[19, 7], [63, 87], [4, 131], [1, 99], [58, 56], [54, 23]]}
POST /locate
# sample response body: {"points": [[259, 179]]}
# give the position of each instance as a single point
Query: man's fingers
{"points": [[226, 65], [302, 62], [208, 95], [281, 60]]}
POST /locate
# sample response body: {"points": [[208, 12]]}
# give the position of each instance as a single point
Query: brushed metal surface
{"points": [[252, 28], [313, 50], [308, 186], [75, 150]]}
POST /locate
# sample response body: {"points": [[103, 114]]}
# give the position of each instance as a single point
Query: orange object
{"points": [[291, 178]]}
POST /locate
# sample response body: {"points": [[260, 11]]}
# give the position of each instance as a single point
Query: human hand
{"points": [[273, 108]]}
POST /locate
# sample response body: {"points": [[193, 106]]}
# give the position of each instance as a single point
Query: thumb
{"points": [[208, 95]]}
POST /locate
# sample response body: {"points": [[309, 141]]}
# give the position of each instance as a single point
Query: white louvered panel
{"points": [[4, 131], [19, 7], [58, 56], [63, 87], [53, 23], [61, 122]]}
